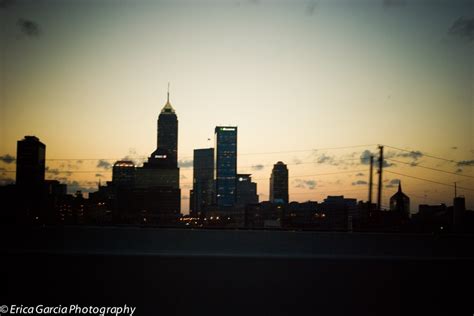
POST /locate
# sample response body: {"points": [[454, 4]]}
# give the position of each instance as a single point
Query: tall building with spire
{"points": [[166, 152], [167, 138], [400, 202], [157, 182]]}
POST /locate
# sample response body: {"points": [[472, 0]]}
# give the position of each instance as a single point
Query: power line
{"points": [[242, 154], [429, 168], [200, 169], [423, 179], [301, 176], [307, 150], [424, 154], [325, 192]]}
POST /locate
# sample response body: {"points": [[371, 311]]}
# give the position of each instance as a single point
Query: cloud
{"points": [[305, 184], [454, 148], [61, 179], [185, 163], [104, 164], [99, 175], [311, 7], [79, 161], [29, 28], [257, 167], [56, 172], [4, 4], [387, 164], [463, 28], [7, 158], [6, 181], [359, 182], [393, 183], [393, 3], [365, 157], [297, 161], [185, 197], [412, 154], [325, 159], [360, 174], [74, 186], [52, 171], [465, 163]]}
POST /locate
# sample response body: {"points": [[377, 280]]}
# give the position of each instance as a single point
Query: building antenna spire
{"points": [[168, 100]]}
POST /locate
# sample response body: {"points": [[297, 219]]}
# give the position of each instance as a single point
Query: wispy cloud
{"points": [[463, 28], [393, 3], [185, 163], [29, 28], [257, 167], [326, 159], [465, 163], [365, 157], [311, 7], [415, 155], [7, 158], [393, 183], [86, 186], [6, 181], [56, 172], [4, 4], [306, 184], [359, 182], [104, 164], [297, 161]]}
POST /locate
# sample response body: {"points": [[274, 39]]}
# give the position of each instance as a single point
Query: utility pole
{"points": [[379, 191], [371, 180]]}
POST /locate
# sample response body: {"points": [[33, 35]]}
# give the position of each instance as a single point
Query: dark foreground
{"points": [[218, 281]]}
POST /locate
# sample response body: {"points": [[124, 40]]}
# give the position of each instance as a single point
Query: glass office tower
{"points": [[226, 166]]}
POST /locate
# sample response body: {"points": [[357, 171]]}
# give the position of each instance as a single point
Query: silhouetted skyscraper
{"points": [[167, 138], [30, 184], [123, 174], [279, 183], [157, 194], [30, 164], [226, 166], [203, 180], [246, 190], [400, 202]]}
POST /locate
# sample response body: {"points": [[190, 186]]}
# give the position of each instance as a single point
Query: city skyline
{"points": [[346, 88]]}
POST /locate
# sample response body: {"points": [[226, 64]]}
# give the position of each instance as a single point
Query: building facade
{"points": [[279, 183], [30, 164], [202, 195], [400, 202], [167, 137], [123, 174], [246, 191], [226, 166], [156, 195]]}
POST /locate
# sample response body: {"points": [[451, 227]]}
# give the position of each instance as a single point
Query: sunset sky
{"points": [[314, 84]]}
